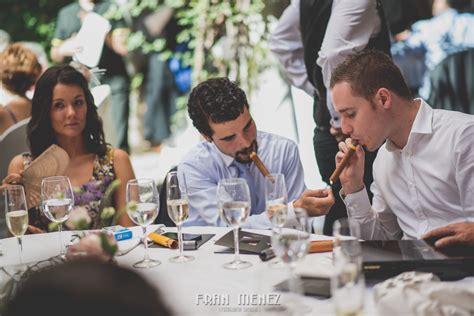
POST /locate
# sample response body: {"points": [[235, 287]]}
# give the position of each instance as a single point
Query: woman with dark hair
{"points": [[63, 113]]}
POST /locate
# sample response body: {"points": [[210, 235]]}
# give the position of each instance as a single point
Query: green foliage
{"points": [[31, 20]]}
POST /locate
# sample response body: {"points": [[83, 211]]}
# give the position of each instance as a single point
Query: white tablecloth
{"points": [[185, 286]]}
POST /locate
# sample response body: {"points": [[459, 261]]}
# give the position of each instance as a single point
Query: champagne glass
{"points": [[16, 213], [290, 245], [142, 208], [57, 201], [178, 209], [233, 202], [276, 200]]}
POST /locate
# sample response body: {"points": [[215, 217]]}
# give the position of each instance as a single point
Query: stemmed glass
{"points": [[290, 246], [16, 213], [233, 202], [142, 208], [178, 209], [276, 199], [347, 283], [57, 201]]}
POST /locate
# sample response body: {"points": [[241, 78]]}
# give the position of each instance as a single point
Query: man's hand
{"points": [[338, 134], [458, 234], [352, 177], [315, 202]]}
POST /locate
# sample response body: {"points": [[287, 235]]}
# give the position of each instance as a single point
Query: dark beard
{"points": [[243, 156]]}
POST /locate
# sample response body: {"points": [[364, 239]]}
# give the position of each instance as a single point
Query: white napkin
{"points": [[422, 294]]}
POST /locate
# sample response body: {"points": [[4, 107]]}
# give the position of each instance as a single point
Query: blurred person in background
{"points": [[19, 70], [421, 48]]}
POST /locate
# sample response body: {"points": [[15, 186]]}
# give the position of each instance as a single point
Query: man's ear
{"points": [[207, 138], [384, 96]]}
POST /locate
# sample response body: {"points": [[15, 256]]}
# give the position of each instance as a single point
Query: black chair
{"points": [[163, 217], [452, 83]]}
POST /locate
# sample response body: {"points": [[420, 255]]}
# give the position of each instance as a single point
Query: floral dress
{"points": [[87, 198]]}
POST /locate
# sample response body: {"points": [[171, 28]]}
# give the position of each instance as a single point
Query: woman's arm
{"points": [[124, 173]]}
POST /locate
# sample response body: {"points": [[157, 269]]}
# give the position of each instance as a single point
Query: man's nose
{"points": [[346, 127], [244, 142]]}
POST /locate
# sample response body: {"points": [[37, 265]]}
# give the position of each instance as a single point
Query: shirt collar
{"points": [[423, 124], [228, 160]]}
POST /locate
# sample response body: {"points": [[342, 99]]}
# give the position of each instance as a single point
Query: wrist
{"points": [[352, 188]]}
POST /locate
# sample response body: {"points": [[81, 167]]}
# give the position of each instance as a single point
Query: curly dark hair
{"points": [[40, 132], [368, 71], [216, 100]]}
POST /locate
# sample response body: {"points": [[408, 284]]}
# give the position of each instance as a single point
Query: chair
{"points": [[12, 142], [452, 83], [163, 217]]}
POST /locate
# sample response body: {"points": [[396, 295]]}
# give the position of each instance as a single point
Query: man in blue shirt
{"points": [[220, 111]]}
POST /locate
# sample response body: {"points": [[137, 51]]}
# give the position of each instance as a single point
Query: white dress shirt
{"points": [[350, 27], [427, 184]]}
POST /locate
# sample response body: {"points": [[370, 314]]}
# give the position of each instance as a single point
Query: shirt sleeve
{"points": [[465, 170], [202, 195], [350, 27], [287, 46], [377, 221], [60, 33]]}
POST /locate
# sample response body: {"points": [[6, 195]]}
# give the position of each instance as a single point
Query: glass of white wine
{"points": [[178, 209], [16, 213], [276, 200], [142, 208], [233, 202], [57, 201]]}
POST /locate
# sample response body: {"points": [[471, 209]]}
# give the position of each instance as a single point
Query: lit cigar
{"points": [[335, 175], [163, 240], [259, 164]]}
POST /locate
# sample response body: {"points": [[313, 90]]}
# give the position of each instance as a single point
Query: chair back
{"points": [[163, 217], [452, 83]]}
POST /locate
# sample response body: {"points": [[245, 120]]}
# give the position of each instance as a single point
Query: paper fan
{"points": [[52, 162]]}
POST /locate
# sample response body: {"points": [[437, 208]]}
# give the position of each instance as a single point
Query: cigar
{"points": [[163, 240], [320, 246], [316, 246], [259, 164], [335, 175]]}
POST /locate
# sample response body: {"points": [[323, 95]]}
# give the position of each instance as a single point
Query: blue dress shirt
{"points": [[205, 165]]}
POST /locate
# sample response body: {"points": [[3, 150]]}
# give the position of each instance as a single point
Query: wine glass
{"points": [[178, 209], [276, 199], [142, 208], [233, 202], [57, 201], [16, 213], [290, 245], [347, 283]]}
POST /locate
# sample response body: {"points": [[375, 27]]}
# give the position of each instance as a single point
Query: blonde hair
{"points": [[19, 68]]}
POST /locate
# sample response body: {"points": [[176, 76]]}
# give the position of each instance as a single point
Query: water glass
{"points": [[57, 201], [347, 283], [142, 208], [233, 202]]}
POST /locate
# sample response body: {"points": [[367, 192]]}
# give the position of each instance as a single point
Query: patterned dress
{"points": [[89, 196]]}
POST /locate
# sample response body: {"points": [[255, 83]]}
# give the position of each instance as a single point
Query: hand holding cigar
{"points": [[335, 175]]}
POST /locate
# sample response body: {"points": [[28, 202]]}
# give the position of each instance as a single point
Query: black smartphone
{"points": [[312, 286], [186, 237]]}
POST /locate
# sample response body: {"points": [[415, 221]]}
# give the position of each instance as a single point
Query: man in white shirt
{"points": [[424, 170], [312, 37]]}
